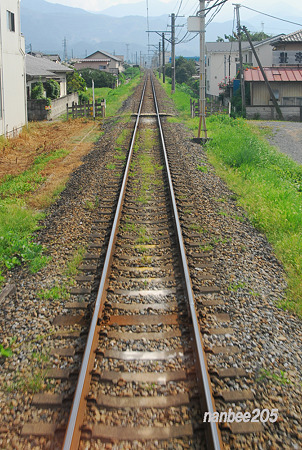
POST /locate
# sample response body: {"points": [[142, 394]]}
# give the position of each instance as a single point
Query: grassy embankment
{"points": [[34, 173], [268, 183]]}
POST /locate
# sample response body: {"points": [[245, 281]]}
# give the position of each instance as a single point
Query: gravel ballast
{"points": [[251, 282]]}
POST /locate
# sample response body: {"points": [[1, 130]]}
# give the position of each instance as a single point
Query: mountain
{"points": [[45, 25], [156, 8]]}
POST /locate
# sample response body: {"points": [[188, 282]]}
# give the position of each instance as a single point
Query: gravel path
{"points": [[286, 136]]}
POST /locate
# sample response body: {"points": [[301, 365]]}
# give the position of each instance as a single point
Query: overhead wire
{"points": [[270, 15]]}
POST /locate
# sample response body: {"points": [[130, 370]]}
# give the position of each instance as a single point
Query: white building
{"points": [[222, 64], [12, 69]]}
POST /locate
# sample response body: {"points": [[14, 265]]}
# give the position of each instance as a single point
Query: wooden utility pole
{"points": [[173, 51], [164, 64], [273, 98]]}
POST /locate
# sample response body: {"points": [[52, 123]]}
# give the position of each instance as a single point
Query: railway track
{"points": [[144, 331], [141, 369]]}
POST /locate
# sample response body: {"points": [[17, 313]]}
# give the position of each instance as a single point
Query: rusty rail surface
{"points": [[73, 432]]}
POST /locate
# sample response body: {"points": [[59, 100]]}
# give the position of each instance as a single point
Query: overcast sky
{"points": [[289, 9]]}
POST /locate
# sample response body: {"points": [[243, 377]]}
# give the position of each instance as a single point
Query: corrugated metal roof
{"points": [[274, 74], [43, 67]]}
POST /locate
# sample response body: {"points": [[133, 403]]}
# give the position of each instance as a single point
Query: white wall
{"points": [[218, 68], [12, 71]]}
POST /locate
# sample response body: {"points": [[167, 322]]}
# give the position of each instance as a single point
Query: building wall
{"points": [[290, 90], [217, 70], [292, 113], [264, 52], [12, 71], [37, 110]]}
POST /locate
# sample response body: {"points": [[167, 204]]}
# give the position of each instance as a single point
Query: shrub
{"points": [[52, 89]]}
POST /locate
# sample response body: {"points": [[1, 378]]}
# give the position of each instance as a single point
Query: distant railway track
{"points": [[144, 378]]}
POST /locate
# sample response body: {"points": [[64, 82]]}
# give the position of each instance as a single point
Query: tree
{"points": [[257, 36], [75, 83], [101, 79]]}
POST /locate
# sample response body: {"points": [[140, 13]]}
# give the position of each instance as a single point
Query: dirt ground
{"points": [[286, 136], [18, 154]]}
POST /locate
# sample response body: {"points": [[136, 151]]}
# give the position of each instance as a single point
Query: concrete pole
{"points": [[164, 63], [159, 60], [202, 73], [173, 52], [242, 85]]}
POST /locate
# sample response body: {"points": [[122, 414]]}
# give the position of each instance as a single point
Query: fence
{"points": [[86, 109], [211, 108]]}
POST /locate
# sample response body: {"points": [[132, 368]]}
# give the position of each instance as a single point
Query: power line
{"points": [[273, 17]]}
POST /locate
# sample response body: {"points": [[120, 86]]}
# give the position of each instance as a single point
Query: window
{"points": [[102, 67], [10, 20]]}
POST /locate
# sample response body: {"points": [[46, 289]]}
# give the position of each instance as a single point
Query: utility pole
{"points": [[273, 98], [159, 60], [65, 49], [173, 52], [127, 46], [242, 85], [202, 73], [164, 64]]}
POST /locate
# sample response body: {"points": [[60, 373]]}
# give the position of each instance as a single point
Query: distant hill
{"points": [[45, 25]]}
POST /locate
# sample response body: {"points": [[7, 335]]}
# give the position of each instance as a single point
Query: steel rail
{"points": [[73, 431], [212, 431]]}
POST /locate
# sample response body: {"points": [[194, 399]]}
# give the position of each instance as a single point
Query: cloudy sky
{"points": [[188, 6], [290, 10]]}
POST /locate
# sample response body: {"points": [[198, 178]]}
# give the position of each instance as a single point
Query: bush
{"points": [[37, 91], [52, 88]]}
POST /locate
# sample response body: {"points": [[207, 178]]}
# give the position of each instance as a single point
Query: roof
{"points": [[274, 74], [296, 36], [43, 67], [92, 60], [225, 47], [106, 54]]}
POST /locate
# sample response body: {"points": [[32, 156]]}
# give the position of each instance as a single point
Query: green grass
{"points": [[29, 180], [268, 184], [17, 222], [115, 97]]}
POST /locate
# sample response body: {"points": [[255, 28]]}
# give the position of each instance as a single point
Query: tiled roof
{"points": [[106, 54], [274, 74], [43, 67], [92, 60], [296, 36]]}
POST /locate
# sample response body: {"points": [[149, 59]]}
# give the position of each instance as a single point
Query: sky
{"points": [[290, 10]]}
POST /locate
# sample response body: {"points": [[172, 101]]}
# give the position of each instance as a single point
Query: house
{"points": [[284, 76], [264, 50], [101, 60], [39, 68], [12, 70], [222, 64], [286, 84], [287, 49]]}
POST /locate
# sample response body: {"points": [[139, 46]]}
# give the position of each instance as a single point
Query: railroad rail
{"points": [[159, 300]]}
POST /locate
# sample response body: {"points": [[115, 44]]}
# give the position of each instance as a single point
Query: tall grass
{"points": [[269, 185]]}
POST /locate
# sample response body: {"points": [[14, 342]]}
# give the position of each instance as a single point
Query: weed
{"points": [[280, 379], [202, 169], [234, 287], [206, 248], [55, 293], [110, 166]]}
